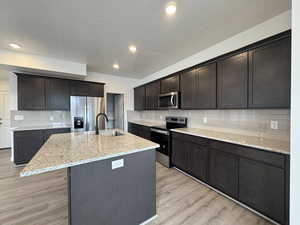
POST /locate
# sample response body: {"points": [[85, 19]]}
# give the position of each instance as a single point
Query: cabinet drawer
{"points": [[272, 158], [191, 138]]}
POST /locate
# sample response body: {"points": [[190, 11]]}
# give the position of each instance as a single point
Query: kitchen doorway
{"points": [[115, 110]]}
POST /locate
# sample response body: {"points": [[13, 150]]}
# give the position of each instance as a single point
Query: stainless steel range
{"points": [[162, 136]]}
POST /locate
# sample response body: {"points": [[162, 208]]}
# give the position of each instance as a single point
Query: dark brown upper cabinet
{"points": [[198, 88], [169, 84], [95, 89], [84, 88], [152, 91], [139, 98], [233, 82], [47, 93], [79, 88], [31, 92], [188, 87], [270, 75], [207, 87], [57, 94]]}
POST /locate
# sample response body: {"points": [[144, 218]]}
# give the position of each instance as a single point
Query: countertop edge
{"points": [[49, 169], [234, 142], [38, 128]]}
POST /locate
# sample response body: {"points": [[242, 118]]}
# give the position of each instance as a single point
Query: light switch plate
{"points": [[19, 117], [117, 164], [274, 124], [205, 120], [51, 118]]}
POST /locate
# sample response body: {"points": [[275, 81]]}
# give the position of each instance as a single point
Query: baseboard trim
{"points": [[149, 220], [232, 199]]}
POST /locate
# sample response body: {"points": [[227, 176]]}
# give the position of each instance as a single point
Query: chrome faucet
{"points": [[97, 121]]}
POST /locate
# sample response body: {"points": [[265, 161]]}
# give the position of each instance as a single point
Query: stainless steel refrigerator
{"points": [[84, 111]]}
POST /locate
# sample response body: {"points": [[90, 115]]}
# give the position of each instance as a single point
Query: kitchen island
{"points": [[111, 176]]}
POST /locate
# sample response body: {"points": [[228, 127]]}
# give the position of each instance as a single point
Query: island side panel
{"points": [[126, 195]]}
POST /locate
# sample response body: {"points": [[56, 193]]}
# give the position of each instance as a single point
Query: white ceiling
{"points": [[98, 32]]}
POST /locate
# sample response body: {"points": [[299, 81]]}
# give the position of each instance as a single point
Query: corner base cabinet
{"points": [[254, 177], [28, 142]]}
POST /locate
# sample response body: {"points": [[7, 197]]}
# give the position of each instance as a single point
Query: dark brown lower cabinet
{"points": [[198, 158], [27, 143], [179, 154], [223, 172], [261, 186], [190, 157], [256, 178], [139, 130]]}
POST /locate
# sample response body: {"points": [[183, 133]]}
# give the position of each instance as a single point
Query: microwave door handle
{"points": [[172, 98]]}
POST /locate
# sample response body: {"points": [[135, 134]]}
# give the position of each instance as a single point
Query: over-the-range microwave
{"points": [[169, 100]]}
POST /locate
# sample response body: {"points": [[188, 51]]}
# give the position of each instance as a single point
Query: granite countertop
{"points": [[148, 123], [250, 141], [41, 127], [66, 150]]}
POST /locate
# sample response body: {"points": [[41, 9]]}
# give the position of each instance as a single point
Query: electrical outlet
{"points": [[51, 118], [160, 117], [205, 120], [19, 117], [274, 124]]}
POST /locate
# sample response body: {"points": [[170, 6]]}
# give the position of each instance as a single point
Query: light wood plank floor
{"points": [[42, 200]]}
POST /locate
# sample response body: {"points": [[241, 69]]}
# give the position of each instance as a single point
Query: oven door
{"points": [[169, 100], [161, 137]]}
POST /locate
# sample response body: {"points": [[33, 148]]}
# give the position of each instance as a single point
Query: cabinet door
{"points": [[95, 90], [145, 132], [139, 98], [57, 94], [26, 144], [31, 92], [152, 92], [48, 133], [233, 82], [170, 84], [198, 160], [188, 85], [207, 87], [79, 88], [179, 155], [261, 186], [223, 172], [270, 75]]}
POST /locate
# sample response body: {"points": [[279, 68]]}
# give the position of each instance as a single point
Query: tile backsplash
{"points": [[39, 118], [248, 122]]}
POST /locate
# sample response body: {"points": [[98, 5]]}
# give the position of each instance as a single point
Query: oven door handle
{"points": [[160, 131]]}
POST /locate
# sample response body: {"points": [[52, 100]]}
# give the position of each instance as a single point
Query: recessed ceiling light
{"points": [[116, 66], [15, 46], [171, 8], [132, 48]]}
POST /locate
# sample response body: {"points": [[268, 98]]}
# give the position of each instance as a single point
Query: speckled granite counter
{"points": [[41, 127], [66, 150], [250, 141], [147, 123]]}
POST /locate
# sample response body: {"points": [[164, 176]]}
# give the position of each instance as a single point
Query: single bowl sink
{"points": [[110, 133]]}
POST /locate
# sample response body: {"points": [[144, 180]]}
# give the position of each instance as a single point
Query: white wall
{"points": [[270, 27], [17, 61], [295, 118], [118, 85]]}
